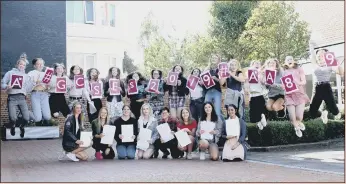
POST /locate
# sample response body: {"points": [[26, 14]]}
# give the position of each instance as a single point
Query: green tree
{"points": [[274, 30], [128, 65], [229, 19]]}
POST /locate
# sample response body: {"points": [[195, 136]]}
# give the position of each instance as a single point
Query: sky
{"points": [[185, 16]]}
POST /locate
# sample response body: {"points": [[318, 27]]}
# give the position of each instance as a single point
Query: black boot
{"points": [[156, 153], [13, 128], [22, 131]]}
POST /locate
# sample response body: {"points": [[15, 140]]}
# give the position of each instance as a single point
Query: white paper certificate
{"points": [[165, 132], [86, 137], [108, 131], [207, 127], [183, 138], [145, 134], [127, 132], [232, 127]]}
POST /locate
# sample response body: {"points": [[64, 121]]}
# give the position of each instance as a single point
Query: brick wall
{"points": [[61, 119]]}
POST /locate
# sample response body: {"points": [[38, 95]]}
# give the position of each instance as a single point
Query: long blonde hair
{"points": [[151, 113], [99, 116]]}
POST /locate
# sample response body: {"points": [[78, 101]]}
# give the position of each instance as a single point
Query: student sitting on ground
{"points": [[74, 124], [97, 128], [234, 148]]}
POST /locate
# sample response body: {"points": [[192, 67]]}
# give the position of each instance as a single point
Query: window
{"points": [[103, 14], [111, 15], [89, 12], [112, 61], [74, 11], [85, 61], [89, 61]]}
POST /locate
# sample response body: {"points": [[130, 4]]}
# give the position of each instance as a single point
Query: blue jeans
{"points": [[128, 151], [40, 106], [214, 95]]}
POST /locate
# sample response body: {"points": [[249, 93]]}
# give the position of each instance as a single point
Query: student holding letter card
{"points": [[39, 94], [197, 95], [156, 99], [235, 132], [295, 101], [17, 83], [323, 89], [71, 142], [95, 92], [213, 94], [176, 99], [58, 86], [97, 129], [173, 143], [234, 83], [126, 149], [114, 102], [209, 117], [147, 121], [137, 100], [77, 94], [276, 94], [189, 125], [257, 91]]}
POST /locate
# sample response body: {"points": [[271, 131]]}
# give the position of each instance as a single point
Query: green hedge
{"points": [[282, 132]]}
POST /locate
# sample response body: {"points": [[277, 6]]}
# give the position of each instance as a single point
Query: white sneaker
{"points": [[324, 117], [107, 151], [189, 156], [62, 156], [202, 155], [263, 120], [298, 132], [338, 116], [260, 126], [72, 157], [301, 126]]}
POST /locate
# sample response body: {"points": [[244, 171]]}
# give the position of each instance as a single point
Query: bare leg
{"points": [[300, 112], [214, 152], [203, 145], [190, 146], [292, 114], [140, 154], [278, 104], [269, 105]]}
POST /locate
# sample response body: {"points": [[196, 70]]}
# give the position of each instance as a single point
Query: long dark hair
{"points": [[56, 65], [110, 73], [140, 80], [214, 117], [89, 73], [160, 73], [182, 70], [235, 108], [71, 71]]}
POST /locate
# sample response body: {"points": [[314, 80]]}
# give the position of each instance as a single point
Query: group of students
{"points": [[47, 103], [234, 146]]}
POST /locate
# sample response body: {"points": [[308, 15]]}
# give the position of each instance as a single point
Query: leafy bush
{"points": [[282, 132]]}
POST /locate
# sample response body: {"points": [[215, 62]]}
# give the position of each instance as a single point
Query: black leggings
{"points": [[98, 106], [257, 108], [102, 147], [136, 108], [57, 103], [172, 145], [323, 92]]}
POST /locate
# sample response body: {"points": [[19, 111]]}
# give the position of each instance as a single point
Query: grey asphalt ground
{"points": [[37, 161]]}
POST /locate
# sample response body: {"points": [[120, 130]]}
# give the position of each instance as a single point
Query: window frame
{"points": [[86, 21]]}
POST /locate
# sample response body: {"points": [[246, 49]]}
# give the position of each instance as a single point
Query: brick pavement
{"points": [[36, 160]]}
